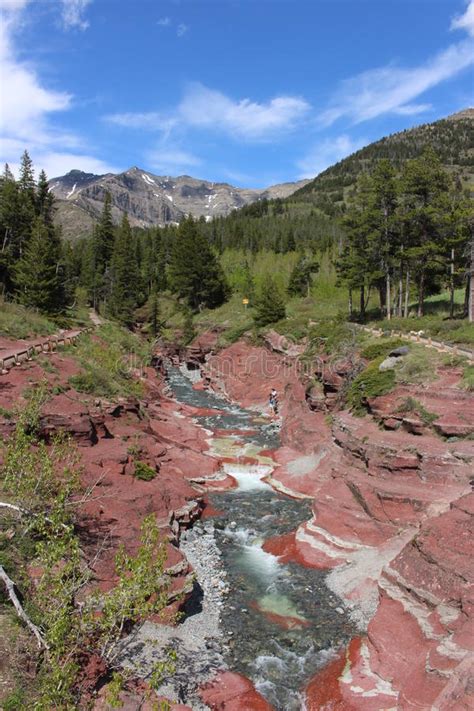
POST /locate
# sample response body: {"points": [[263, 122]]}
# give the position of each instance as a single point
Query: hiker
{"points": [[273, 400]]}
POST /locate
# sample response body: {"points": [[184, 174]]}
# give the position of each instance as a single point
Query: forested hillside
{"points": [[398, 231], [452, 139]]}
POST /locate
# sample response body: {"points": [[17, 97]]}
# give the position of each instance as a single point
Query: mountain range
{"points": [[160, 200], [149, 199]]}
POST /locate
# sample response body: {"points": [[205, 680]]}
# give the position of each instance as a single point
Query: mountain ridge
{"points": [[149, 199], [451, 137]]}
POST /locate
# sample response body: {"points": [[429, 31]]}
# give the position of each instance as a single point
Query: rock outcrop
{"points": [[150, 199], [392, 522]]}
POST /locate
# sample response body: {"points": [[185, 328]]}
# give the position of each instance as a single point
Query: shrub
{"points": [[331, 335], [410, 404], [419, 366], [381, 348], [143, 471], [468, 378], [370, 383], [107, 368]]}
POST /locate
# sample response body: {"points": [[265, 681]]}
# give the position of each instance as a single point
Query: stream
{"points": [[279, 621]]}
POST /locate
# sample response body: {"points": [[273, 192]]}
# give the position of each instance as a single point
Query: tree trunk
{"points": [[10, 586], [388, 288], [470, 284], [381, 289], [362, 302], [421, 294], [400, 295], [351, 307], [407, 292], [451, 286]]}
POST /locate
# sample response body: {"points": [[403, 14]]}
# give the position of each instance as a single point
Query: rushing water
{"points": [[282, 621]]}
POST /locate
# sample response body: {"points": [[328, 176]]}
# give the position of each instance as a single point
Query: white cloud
{"points": [[181, 29], [326, 153], [10, 6], [393, 89], [164, 22], [151, 120], [73, 14], [28, 108], [172, 160], [25, 102], [465, 21], [206, 108]]}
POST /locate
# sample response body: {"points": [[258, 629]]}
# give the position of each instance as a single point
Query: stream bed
{"points": [[279, 622]]}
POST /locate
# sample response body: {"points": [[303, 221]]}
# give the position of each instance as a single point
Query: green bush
{"points": [[108, 363], [331, 335], [94, 382], [468, 378], [15, 701], [419, 366], [234, 334], [381, 348], [143, 471], [370, 383], [19, 322], [410, 404]]}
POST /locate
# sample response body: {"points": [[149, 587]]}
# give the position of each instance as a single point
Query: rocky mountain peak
{"points": [[149, 199]]}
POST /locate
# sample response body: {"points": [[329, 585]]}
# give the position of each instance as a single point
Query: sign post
{"points": [[245, 302]]}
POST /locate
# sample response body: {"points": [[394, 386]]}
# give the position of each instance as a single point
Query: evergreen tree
{"points": [[105, 236], [301, 276], [269, 304], [357, 264], [27, 202], [124, 283], [9, 228], [189, 332], [39, 275], [194, 272], [99, 256], [248, 285], [44, 199], [425, 186], [383, 226]]}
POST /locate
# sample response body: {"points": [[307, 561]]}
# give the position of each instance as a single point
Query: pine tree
{"points": [[194, 272], [358, 266], [39, 275], [269, 304], [189, 332], [124, 290], [302, 275], [248, 285], [425, 186], [44, 199], [9, 228], [26, 202]]}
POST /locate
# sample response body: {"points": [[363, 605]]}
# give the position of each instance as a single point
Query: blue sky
{"points": [[251, 92]]}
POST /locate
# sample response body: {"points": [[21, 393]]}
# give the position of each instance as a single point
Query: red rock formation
{"points": [[233, 692], [392, 520]]}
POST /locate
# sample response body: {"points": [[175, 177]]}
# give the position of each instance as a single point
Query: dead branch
{"points": [[10, 586], [26, 512]]}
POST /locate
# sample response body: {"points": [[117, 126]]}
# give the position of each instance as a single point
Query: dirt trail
{"points": [[418, 338]]}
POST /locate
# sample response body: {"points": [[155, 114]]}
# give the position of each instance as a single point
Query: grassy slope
{"points": [[19, 322]]}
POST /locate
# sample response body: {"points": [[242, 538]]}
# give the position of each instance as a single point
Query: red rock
{"points": [[286, 622], [324, 690], [233, 692]]}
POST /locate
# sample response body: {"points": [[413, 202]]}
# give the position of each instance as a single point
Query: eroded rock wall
{"points": [[392, 522]]}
